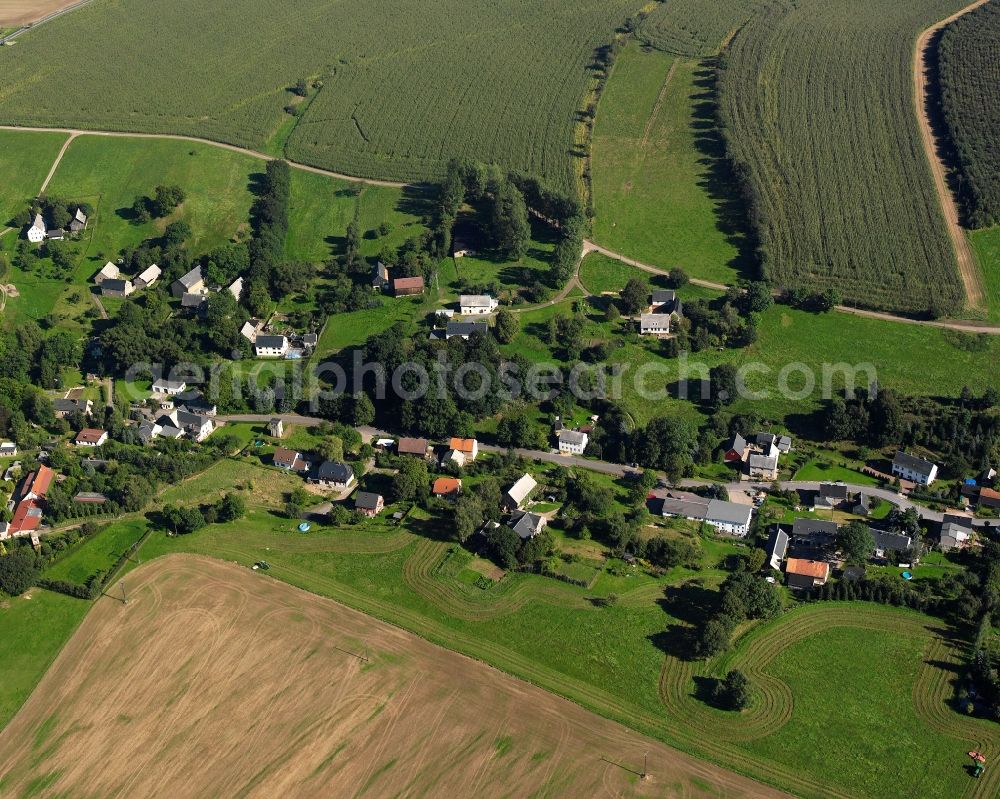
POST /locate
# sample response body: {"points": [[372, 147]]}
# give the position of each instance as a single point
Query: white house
{"points": [[462, 450], [169, 387], [148, 276], [109, 271], [572, 442], [270, 346], [732, 518], [8, 449], [236, 288], [195, 425], [36, 233], [654, 324], [477, 304], [91, 437], [916, 470]]}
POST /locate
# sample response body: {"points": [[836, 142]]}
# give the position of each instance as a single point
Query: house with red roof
{"points": [[31, 497]]}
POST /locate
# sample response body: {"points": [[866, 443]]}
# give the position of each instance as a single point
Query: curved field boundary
{"points": [[759, 648], [967, 266], [675, 730]]}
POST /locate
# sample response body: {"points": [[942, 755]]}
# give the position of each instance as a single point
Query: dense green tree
{"points": [[506, 326], [634, 296], [856, 542]]}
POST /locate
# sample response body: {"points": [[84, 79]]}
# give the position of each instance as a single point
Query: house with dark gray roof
{"points": [[334, 475], [465, 329], [527, 525], [916, 470], [368, 503], [191, 283], [886, 542]]}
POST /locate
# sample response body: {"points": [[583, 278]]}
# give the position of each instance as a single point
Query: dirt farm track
{"points": [[21, 12], [215, 681]]}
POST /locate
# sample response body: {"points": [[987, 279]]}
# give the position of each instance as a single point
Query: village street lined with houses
{"points": [[500, 399]]}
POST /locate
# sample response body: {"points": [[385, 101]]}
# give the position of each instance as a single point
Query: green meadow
{"points": [[25, 160], [657, 188]]}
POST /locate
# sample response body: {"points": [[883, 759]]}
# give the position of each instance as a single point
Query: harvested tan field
{"points": [[21, 12], [215, 681]]}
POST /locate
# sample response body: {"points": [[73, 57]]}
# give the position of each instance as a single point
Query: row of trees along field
{"points": [[970, 94], [816, 107]]}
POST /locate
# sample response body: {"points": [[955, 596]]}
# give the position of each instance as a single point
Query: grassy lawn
{"points": [[658, 195], [817, 471], [911, 359], [853, 723], [35, 627], [986, 245], [25, 160], [354, 328], [97, 553]]}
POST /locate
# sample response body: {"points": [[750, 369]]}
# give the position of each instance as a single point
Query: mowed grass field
{"points": [[25, 159], [853, 694], [817, 106], [35, 627], [404, 88], [97, 554], [300, 695], [986, 246], [109, 172], [659, 188]]}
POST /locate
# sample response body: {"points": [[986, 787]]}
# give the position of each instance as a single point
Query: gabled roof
{"points": [[116, 284], [149, 274], [90, 435], [476, 301], [286, 457], [820, 529], [465, 445], [334, 472], [572, 437], [109, 270], [527, 524], [190, 300], [37, 483], [405, 283], [894, 542], [192, 278], [446, 485], [919, 465], [759, 461], [520, 490], [777, 544], [28, 516], [39, 222], [412, 446], [837, 491], [728, 512], [465, 329], [366, 500], [808, 568], [271, 342], [738, 444]]}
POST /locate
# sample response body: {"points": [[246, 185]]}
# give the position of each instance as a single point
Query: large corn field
{"points": [[970, 93], [406, 84], [818, 113]]}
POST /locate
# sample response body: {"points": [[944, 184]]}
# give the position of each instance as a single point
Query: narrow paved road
{"points": [[605, 467], [923, 97]]}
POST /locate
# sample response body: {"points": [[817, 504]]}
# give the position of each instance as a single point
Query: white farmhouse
{"points": [[477, 304], [36, 233], [148, 276], [916, 470], [572, 442], [271, 346]]}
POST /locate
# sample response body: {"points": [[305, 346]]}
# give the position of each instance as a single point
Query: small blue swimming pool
{"points": [[907, 576]]}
